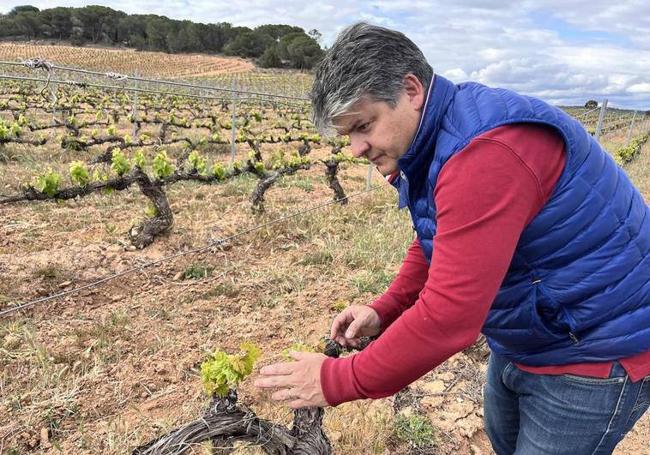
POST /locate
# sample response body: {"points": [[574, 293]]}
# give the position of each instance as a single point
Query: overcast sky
{"points": [[562, 51]]}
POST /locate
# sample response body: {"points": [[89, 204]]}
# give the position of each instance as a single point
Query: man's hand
{"points": [[299, 381], [354, 322]]}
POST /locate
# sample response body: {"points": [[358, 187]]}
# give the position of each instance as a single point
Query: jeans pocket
{"points": [[587, 380], [641, 404], [617, 375]]}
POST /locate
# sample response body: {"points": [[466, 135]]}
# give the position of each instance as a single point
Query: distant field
{"points": [[208, 69], [128, 61]]}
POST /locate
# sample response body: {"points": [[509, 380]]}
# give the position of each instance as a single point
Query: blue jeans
{"points": [[530, 414]]}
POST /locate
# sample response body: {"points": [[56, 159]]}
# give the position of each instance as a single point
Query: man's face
{"points": [[380, 133]]}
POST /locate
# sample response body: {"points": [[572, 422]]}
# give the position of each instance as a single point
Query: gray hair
{"points": [[366, 60]]}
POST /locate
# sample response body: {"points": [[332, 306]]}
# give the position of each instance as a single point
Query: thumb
{"points": [[353, 328]]}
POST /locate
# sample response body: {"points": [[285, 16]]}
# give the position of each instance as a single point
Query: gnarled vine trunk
{"points": [[144, 233], [226, 423]]}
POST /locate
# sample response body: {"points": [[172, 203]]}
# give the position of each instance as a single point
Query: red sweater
{"points": [[485, 196]]}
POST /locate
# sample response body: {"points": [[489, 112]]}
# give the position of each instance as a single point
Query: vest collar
{"points": [[419, 154]]}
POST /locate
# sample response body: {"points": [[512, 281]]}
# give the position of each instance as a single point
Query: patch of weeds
{"points": [[15, 404], [84, 442], [118, 319], [287, 231], [55, 416], [159, 313], [269, 301], [11, 336], [370, 281], [416, 431], [319, 257], [8, 155], [242, 185], [304, 184], [110, 228], [48, 272], [4, 300], [383, 241], [339, 305], [197, 271], [19, 341], [100, 336], [151, 211], [286, 281], [280, 281], [226, 289]]}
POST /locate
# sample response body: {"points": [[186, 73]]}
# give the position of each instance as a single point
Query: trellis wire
{"points": [[209, 246], [371, 167], [629, 131], [132, 89], [53, 88], [584, 114], [134, 110], [117, 76], [233, 126]]}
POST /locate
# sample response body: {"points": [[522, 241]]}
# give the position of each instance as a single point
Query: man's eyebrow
{"points": [[344, 131]]}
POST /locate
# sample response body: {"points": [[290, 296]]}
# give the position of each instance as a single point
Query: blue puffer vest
{"points": [[578, 287]]}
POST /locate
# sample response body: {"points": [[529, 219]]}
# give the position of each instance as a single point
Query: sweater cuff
{"points": [[387, 309], [337, 381]]}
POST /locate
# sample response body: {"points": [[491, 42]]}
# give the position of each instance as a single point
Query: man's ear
{"points": [[415, 91]]}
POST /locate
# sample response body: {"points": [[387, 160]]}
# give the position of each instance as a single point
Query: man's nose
{"points": [[358, 146]]}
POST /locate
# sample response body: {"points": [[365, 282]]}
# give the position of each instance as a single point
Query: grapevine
{"points": [[225, 422]]}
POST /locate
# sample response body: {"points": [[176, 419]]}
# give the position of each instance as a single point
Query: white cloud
{"points": [[455, 74], [583, 49], [640, 88]]}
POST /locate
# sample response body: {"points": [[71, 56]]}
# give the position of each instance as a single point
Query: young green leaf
{"points": [[218, 171], [119, 163], [79, 173], [48, 183], [162, 166], [139, 159], [222, 372], [197, 162]]}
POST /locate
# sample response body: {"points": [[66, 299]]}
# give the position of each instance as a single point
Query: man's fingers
{"points": [[353, 328], [340, 322], [341, 340], [273, 381], [354, 342], [277, 369], [285, 394], [297, 404]]}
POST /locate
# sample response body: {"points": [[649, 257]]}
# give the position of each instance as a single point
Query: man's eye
{"points": [[363, 127]]}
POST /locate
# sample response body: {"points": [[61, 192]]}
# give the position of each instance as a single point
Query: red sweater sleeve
{"points": [[404, 290], [485, 195]]}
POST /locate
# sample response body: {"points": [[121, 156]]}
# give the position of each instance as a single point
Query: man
{"points": [[526, 231]]}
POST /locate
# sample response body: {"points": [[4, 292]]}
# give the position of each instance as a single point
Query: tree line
{"points": [[274, 46]]}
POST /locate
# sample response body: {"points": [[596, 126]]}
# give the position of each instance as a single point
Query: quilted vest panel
{"points": [[578, 287]]}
